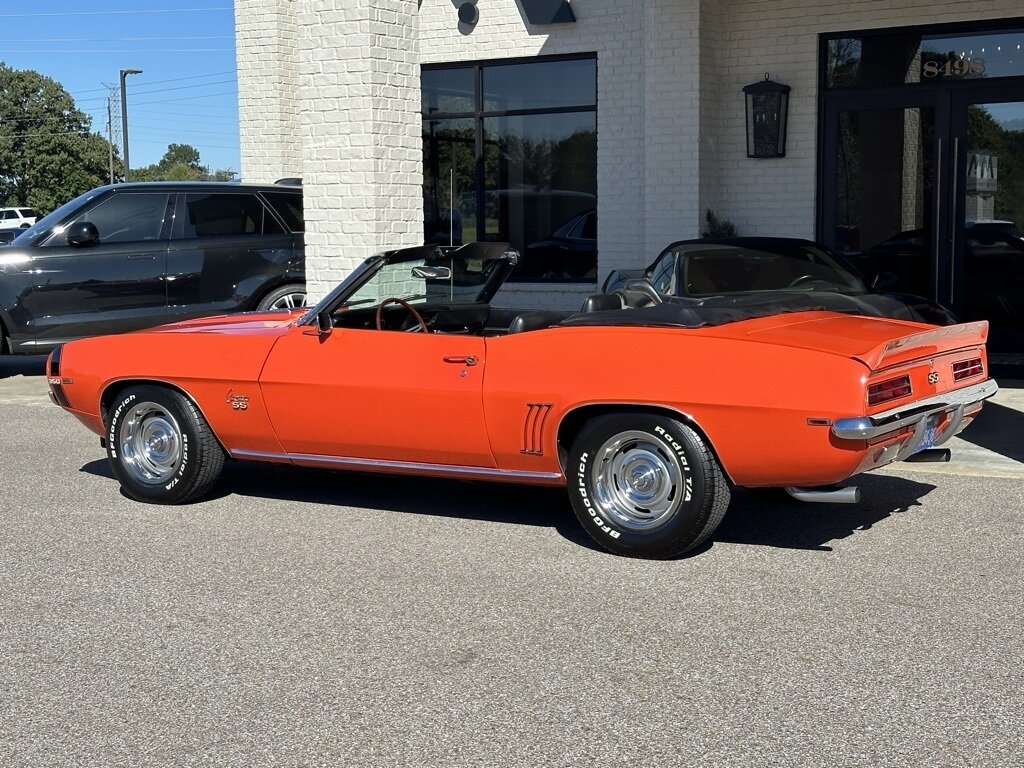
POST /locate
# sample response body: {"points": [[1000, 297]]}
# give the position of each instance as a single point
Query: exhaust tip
{"points": [[826, 494], [931, 455]]}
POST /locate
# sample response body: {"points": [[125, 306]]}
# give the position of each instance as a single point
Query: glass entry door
{"points": [[924, 193], [987, 268], [883, 198]]}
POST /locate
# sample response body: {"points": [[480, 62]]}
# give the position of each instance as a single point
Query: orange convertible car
{"points": [[649, 408]]}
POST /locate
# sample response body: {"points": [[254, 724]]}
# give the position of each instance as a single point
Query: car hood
{"points": [[245, 322]]}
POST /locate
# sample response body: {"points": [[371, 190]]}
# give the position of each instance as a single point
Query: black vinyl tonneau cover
{"points": [[697, 313]]}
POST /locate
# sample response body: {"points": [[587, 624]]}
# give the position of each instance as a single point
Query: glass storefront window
{"points": [[913, 57], [539, 175], [447, 90], [517, 165], [449, 165], [540, 86]]}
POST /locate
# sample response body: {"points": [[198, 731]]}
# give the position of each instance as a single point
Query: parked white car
{"points": [[17, 218]]}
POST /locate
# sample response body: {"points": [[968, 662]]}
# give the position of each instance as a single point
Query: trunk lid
{"points": [[876, 342]]}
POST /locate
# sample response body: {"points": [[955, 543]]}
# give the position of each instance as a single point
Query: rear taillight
{"points": [[890, 389], [965, 369]]}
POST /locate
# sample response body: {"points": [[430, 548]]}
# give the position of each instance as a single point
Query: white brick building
{"points": [[330, 90]]}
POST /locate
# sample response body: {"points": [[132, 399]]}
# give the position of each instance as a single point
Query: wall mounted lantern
{"points": [[767, 108]]}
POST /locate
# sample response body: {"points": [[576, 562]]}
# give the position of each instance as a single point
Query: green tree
{"points": [[48, 152], [180, 163]]}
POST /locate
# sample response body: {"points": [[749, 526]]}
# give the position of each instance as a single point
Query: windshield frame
{"points": [[853, 284], [368, 269]]}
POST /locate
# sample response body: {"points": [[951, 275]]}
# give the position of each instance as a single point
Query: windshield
{"points": [[41, 228], [418, 281], [470, 274], [714, 269]]}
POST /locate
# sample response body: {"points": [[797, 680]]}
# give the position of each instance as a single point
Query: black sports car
{"points": [[701, 270]]}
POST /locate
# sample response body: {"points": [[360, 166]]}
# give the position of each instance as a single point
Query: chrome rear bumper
{"points": [[917, 417]]}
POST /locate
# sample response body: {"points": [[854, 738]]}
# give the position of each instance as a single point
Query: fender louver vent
{"points": [[533, 428]]}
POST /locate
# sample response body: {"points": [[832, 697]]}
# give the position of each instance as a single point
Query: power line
{"points": [[115, 13], [115, 39], [135, 92], [186, 98], [171, 80], [121, 50], [202, 144], [40, 135]]}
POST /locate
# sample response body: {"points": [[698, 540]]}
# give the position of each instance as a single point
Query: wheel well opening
{"points": [[5, 342], [575, 420], [111, 393]]}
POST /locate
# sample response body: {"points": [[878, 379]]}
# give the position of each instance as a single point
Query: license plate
{"points": [[930, 428]]}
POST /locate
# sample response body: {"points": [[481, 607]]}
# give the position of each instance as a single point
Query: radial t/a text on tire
{"points": [[644, 485], [160, 447]]}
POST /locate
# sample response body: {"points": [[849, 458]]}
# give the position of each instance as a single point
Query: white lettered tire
{"points": [[644, 485], [160, 447]]}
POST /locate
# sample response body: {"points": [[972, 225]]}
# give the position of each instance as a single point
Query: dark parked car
{"points": [[568, 252], [130, 256], [748, 267]]}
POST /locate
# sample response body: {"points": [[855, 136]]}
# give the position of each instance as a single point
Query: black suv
{"points": [[130, 256]]}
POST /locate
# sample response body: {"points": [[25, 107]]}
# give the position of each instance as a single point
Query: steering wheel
{"points": [[809, 279], [421, 323]]}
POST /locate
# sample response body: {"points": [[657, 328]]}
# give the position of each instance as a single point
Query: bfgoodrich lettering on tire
{"points": [[645, 486], [160, 447]]}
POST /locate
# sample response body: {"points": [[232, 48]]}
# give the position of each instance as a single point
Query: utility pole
{"points": [[110, 126]]}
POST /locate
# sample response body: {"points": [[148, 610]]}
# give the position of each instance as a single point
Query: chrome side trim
{"points": [[869, 427], [405, 467]]}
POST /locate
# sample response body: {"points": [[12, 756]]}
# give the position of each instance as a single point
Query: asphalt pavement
{"points": [[305, 617]]}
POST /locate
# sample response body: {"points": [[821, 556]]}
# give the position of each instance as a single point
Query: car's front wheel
{"points": [[645, 486], [160, 447]]}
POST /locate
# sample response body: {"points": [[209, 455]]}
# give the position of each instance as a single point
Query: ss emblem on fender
{"points": [[238, 402], [933, 377]]}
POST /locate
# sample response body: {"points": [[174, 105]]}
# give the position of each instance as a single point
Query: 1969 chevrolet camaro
{"points": [[649, 408]]}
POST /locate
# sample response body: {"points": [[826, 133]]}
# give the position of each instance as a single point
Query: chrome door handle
{"points": [[134, 256], [461, 359]]}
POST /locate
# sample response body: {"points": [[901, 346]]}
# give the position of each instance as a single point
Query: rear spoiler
{"points": [[925, 344]]}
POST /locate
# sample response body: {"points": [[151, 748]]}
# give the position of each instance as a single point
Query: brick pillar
{"points": [[672, 57], [360, 133], [268, 83]]}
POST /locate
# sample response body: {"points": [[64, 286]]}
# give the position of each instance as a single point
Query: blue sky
{"points": [[187, 92]]}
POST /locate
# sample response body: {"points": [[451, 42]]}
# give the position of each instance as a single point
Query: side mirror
{"points": [[323, 323], [82, 234], [885, 281]]}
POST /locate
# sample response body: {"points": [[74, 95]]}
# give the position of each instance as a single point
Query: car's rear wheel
{"points": [[645, 486], [160, 447], [285, 297]]}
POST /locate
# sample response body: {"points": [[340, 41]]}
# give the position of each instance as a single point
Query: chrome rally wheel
{"points": [[638, 483], [645, 485], [150, 444], [159, 445]]}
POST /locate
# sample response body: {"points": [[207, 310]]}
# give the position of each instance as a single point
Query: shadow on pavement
{"points": [[22, 365], [763, 517], [998, 429], [771, 518]]}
